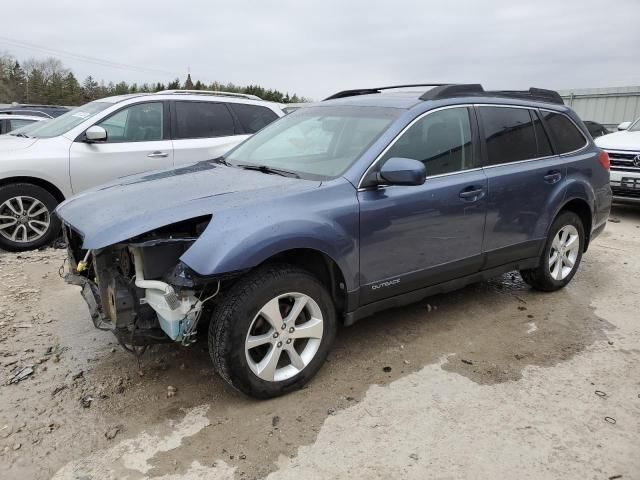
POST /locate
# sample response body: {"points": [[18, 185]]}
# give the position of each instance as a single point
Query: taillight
{"points": [[603, 158]]}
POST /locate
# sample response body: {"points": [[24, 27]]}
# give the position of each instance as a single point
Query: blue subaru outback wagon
{"points": [[371, 199]]}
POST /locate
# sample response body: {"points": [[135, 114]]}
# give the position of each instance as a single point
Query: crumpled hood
{"points": [[11, 143], [138, 204], [624, 140]]}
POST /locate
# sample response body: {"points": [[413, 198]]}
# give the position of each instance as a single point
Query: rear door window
{"points": [[509, 134], [566, 135], [202, 120], [253, 117]]}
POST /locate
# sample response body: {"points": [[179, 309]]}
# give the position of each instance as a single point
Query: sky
{"points": [[316, 48]]}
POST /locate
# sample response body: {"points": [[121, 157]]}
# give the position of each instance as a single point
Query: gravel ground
{"points": [[494, 380]]}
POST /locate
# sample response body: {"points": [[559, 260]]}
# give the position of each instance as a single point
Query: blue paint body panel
{"points": [[386, 241]]}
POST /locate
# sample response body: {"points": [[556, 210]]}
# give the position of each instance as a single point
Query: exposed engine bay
{"points": [[139, 289]]}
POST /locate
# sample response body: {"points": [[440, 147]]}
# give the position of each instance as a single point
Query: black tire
{"points": [[540, 277], [43, 196], [233, 317]]}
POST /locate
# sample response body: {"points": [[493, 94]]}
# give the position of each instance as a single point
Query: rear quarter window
{"points": [[253, 117], [566, 135]]}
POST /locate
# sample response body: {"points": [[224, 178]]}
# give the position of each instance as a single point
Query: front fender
{"points": [[325, 220]]}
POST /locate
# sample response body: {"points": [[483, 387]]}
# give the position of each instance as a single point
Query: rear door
{"points": [[203, 130], [137, 141], [524, 182]]}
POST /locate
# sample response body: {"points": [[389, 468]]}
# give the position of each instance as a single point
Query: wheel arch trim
{"points": [[39, 182]]}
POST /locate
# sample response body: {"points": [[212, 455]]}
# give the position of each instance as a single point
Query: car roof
{"points": [[203, 95], [6, 116], [32, 106]]}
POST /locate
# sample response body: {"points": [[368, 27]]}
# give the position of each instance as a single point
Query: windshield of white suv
{"points": [[63, 123], [314, 142]]}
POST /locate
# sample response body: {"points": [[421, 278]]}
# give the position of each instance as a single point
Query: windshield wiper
{"points": [[23, 135], [270, 170]]}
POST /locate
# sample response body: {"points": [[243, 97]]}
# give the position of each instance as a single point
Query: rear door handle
{"points": [[471, 194], [158, 155], [553, 176]]}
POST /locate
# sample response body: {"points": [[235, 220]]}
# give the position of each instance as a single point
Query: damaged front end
{"points": [[139, 289]]}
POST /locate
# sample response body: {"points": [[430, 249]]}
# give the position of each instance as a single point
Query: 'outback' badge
{"points": [[388, 283]]}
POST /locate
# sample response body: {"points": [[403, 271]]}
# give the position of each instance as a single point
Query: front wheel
{"points": [[273, 331], [27, 220], [561, 255]]}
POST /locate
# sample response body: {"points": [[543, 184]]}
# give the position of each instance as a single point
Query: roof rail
{"points": [[452, 90], [448, 90], [366, 91], [475, 89], [532, 94], [210, 92]]}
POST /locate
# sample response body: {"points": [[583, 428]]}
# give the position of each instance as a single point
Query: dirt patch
{"points": [[87, 395]]}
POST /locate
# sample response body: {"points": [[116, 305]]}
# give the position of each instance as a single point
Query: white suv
{"points": [[624, 154], [42, 164]]}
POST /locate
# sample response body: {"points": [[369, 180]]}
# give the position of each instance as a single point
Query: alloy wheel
{"points": [[564, 252], [284, 337], [24, 219]]}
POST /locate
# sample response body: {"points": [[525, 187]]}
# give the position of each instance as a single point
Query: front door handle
{"points": [[471, 194], [158, 155], [553, 176]]}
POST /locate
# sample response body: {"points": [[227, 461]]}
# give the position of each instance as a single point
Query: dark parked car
{"points": [[596, 129], [363, 202], [47, 111]]}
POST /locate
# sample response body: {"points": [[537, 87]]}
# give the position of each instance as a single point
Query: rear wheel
{"points": [[273, 331], [561, 256], [27, 220]]}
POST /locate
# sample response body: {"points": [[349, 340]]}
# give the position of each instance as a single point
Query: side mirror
{"points": [[624, 126], [95, 134], [402, 171]]}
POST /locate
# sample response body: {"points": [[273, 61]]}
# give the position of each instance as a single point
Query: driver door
{"points": [[137, 141], [415, 236]]}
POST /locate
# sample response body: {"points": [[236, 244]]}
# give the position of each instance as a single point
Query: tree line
{"points": [[48, 81]]}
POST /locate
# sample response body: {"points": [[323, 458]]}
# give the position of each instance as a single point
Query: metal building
{"points": [[608, 106]]}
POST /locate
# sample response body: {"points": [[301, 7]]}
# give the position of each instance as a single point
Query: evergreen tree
{"points": [[73, 94], [35, 88], [49, 81], [188, 84], [18, 83], [121, 88], [90, 89], [175, 85]]}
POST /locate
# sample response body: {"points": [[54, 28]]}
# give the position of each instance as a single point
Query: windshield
{"points": [[63, 123], [315, 142], [635, 126]]}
